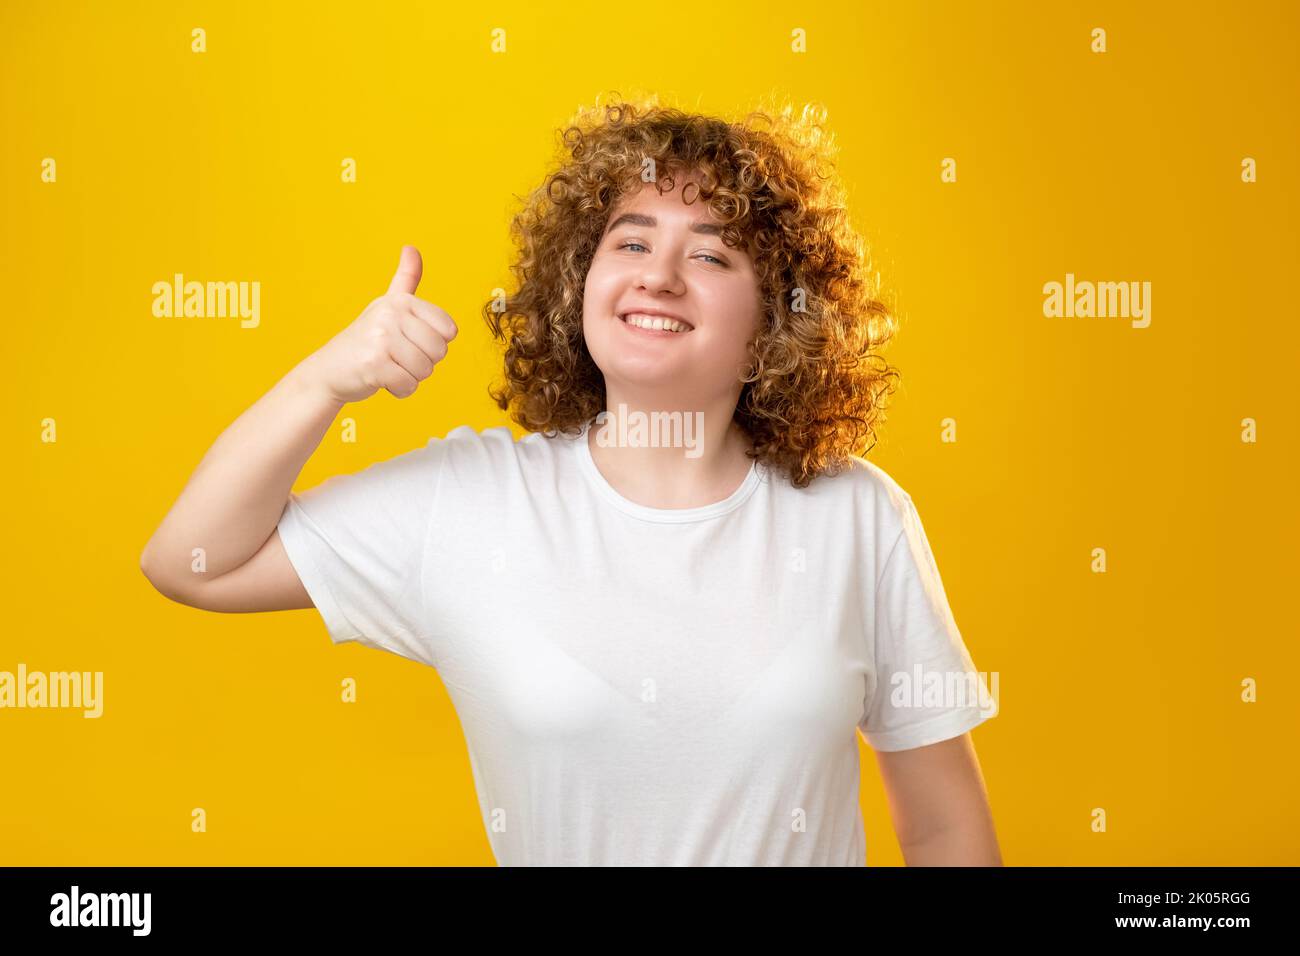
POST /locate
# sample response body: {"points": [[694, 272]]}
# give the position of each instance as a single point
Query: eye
{"points": [[704, 255]]}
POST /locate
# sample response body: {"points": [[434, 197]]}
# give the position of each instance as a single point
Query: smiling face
{"points": [[663, 259]]}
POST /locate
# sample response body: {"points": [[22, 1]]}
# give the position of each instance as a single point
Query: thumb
{"points": [[409, 270]]}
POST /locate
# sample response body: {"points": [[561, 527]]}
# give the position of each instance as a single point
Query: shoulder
{"points": [[467, 449], [872, 481], [866, 484], [861, 494]]}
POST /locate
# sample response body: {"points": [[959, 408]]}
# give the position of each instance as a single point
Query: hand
{"points": [[394, 344]]}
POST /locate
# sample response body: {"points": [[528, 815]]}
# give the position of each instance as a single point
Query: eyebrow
{"points": [[638, 219]]}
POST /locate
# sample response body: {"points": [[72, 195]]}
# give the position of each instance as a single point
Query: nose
{"points": [[659, 273]]}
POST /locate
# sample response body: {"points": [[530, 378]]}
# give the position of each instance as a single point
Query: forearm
{"points": [[972, 843], [234, 499]]}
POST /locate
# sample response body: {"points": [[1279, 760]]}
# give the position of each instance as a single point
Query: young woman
{"points": [[665, 614]]}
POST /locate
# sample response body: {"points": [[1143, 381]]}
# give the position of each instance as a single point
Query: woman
{"points": [[662, 633]]}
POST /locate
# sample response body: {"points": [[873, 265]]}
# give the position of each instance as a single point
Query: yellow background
{"points": [[1119, 691]]}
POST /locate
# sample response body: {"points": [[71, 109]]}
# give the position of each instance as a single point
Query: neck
{"points": [[685, 456]]}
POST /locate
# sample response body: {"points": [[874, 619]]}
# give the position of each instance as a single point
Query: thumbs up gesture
{"points": [[393, 344]]}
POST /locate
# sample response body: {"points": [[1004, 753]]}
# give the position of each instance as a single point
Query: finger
{"points": [[424, 337], [409, 356], [442, 323], [409, 270], [398, 381]]}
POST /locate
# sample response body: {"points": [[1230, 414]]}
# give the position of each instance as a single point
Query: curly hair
{"points": [[817, 386]]}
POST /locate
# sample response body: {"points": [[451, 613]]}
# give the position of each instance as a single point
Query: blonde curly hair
{"points": [[818, 385]]}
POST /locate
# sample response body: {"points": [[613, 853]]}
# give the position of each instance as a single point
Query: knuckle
{"points": [[385, 307]]}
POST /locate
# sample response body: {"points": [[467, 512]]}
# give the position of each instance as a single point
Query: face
{"points": [[661, 255]]}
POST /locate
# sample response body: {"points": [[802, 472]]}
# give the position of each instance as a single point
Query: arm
{"points": [[233, 502], [939, 805]]}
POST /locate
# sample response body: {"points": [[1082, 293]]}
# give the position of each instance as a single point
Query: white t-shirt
{"points": [[645, 686]]}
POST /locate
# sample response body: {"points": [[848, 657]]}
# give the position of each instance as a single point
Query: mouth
{"points": [[655, 324]]}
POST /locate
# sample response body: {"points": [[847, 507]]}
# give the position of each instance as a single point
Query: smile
{"points": [[655, 324]]}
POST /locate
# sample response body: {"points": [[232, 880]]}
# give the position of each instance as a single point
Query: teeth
{"points": [[643, 321]]}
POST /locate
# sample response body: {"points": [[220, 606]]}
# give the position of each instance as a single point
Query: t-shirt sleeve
{"points": [[358, 543], [926, 688]]}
